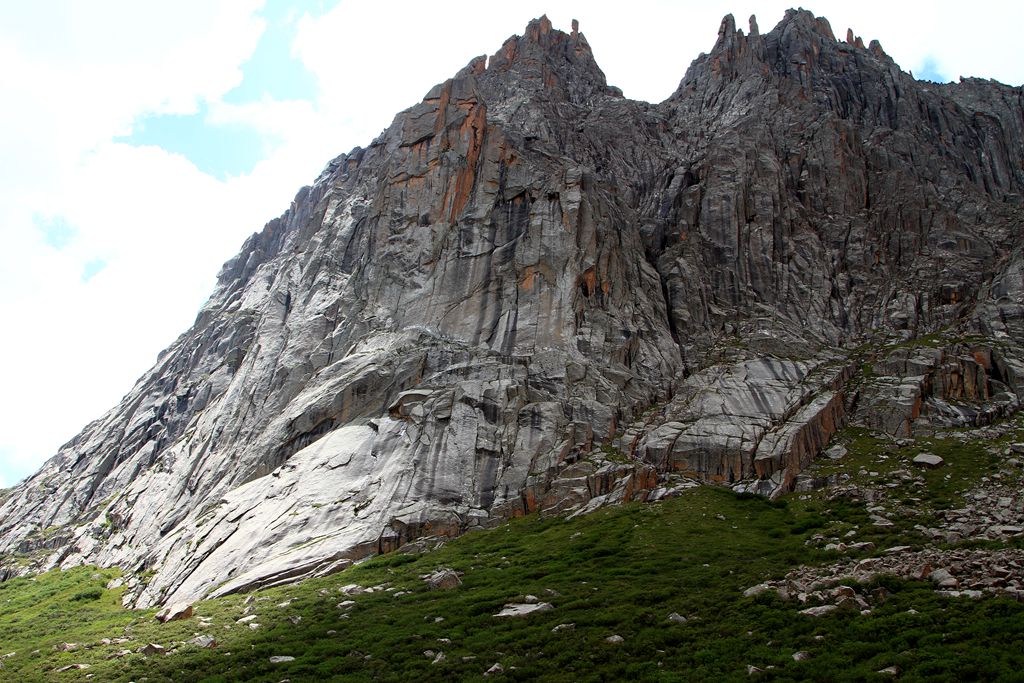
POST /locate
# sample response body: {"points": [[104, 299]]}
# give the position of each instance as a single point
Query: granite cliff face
{"points": [[530, 293]]}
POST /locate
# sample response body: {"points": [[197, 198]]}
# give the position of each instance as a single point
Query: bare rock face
{"points": [[530, 293]]}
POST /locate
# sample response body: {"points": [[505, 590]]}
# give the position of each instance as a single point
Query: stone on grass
{"points": [[928, 460], [173, 612], [443, 579], [152, 649], [897, 549], [677, 618], [281, 659], [496, 669], [801, 656], [819, 611], [563, 627], [521, 609], [203, 641], [837, 452], [72, 667]]}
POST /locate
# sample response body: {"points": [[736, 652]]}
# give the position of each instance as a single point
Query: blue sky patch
{"points": [[93, 268], [11, 472], [929, 71], [272, 71], [217, 150], [233, 149], [57, 232]]}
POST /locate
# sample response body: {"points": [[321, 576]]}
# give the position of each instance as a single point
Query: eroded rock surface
{"points": [[530, 293]]}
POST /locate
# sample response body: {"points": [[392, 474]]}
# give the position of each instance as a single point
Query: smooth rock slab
{"points": [[281, 659]]}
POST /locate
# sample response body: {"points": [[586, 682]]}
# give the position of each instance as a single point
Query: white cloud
{"points": [[77, 75]]}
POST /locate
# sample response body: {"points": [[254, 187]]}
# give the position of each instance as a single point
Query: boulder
{"points": [[758, 589], [173, 612], [203, 641], [943, 579], [443, 579], [819, 611], [929, 460]]}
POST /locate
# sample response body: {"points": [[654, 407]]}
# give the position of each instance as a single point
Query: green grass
{"points": [[965, 464], [618, 571]]}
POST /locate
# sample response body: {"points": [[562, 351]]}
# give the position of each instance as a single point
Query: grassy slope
{"points": [[619, 571]]}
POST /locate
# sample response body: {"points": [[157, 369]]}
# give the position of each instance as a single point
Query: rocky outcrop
{"points": [[531, 294], [920, 389]]}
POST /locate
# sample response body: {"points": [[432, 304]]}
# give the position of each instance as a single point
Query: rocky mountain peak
{"points": [[544, 58], [532, 294]]}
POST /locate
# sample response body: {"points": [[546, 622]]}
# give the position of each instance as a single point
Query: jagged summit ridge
{"points": [[526, 271]]}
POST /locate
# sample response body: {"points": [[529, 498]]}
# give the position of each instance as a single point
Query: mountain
{"points": [[532, 294]]}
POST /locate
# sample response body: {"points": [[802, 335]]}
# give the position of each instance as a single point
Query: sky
{"points": [[142, 142]]}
